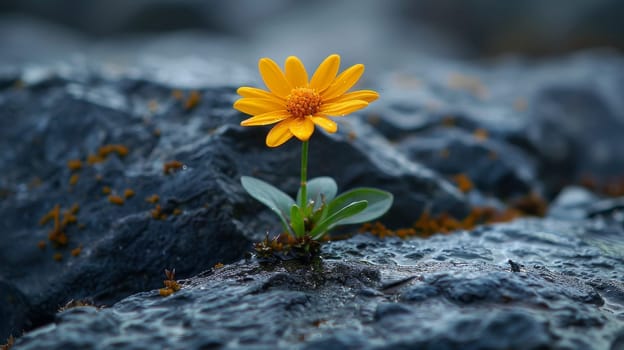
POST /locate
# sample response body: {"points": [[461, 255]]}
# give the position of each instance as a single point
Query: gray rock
{"points": [[56, 114], [567, 294]]}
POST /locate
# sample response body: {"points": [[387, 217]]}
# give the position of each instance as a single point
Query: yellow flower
{"points": [[297, 104]]}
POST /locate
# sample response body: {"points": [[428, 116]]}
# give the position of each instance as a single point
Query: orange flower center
{"points": [[302, 102]]}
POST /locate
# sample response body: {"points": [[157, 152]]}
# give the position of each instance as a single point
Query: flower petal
{"points": [[343, 108], [266, 118], [279, 134], [344, 81], [295, 72], [273, 77], [325, 73], [363, 95], [302, 128], [255, 106], [325, 123], [252, 92]]}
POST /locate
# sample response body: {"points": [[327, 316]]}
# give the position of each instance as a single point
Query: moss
{"points": [[284, 247]]}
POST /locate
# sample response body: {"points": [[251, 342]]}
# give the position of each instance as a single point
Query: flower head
{"points": [[297, 104]]}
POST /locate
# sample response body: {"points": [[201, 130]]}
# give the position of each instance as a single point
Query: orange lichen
{"points": [[171, 285], [115, 199], [69, 216], [611, 187], [445, 153], [57, 256], [177, 211], [531, 204], [192, 101], [157, 132], [41, 244], [128, 193], [76, 251], [74, 179], [172, 166], [106, 190], [157, 213], [105, 150], [74, 164], [52, 214], [58, 237], [218, 265], [428, 225], [57, 234], [153, 199], [463, 182], [94, 159], [480, 134]]}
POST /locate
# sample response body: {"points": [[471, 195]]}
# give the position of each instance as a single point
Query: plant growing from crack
{"points": [[298, 105]]}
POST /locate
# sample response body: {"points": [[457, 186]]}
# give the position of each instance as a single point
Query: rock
{"points": [[558, 123], [13, 310], [567, 294], [110, 174], [202, 216]]}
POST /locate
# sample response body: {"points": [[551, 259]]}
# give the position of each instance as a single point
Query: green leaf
{"points": [[296, 221], [341, 214], [279, 202], [320, 185], [378, 204]]}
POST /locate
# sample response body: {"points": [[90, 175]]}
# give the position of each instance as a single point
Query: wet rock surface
{"points": [[530, 284], [512, 128]]}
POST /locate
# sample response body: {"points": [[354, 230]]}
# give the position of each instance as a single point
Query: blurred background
{"points": [[380, 32]]}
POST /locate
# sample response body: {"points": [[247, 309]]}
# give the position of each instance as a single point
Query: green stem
{"points": [[304, 175]]}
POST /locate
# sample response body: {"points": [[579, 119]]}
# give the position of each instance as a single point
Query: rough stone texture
{"points": [[57, 114], [547, 125], [448, 292]]}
